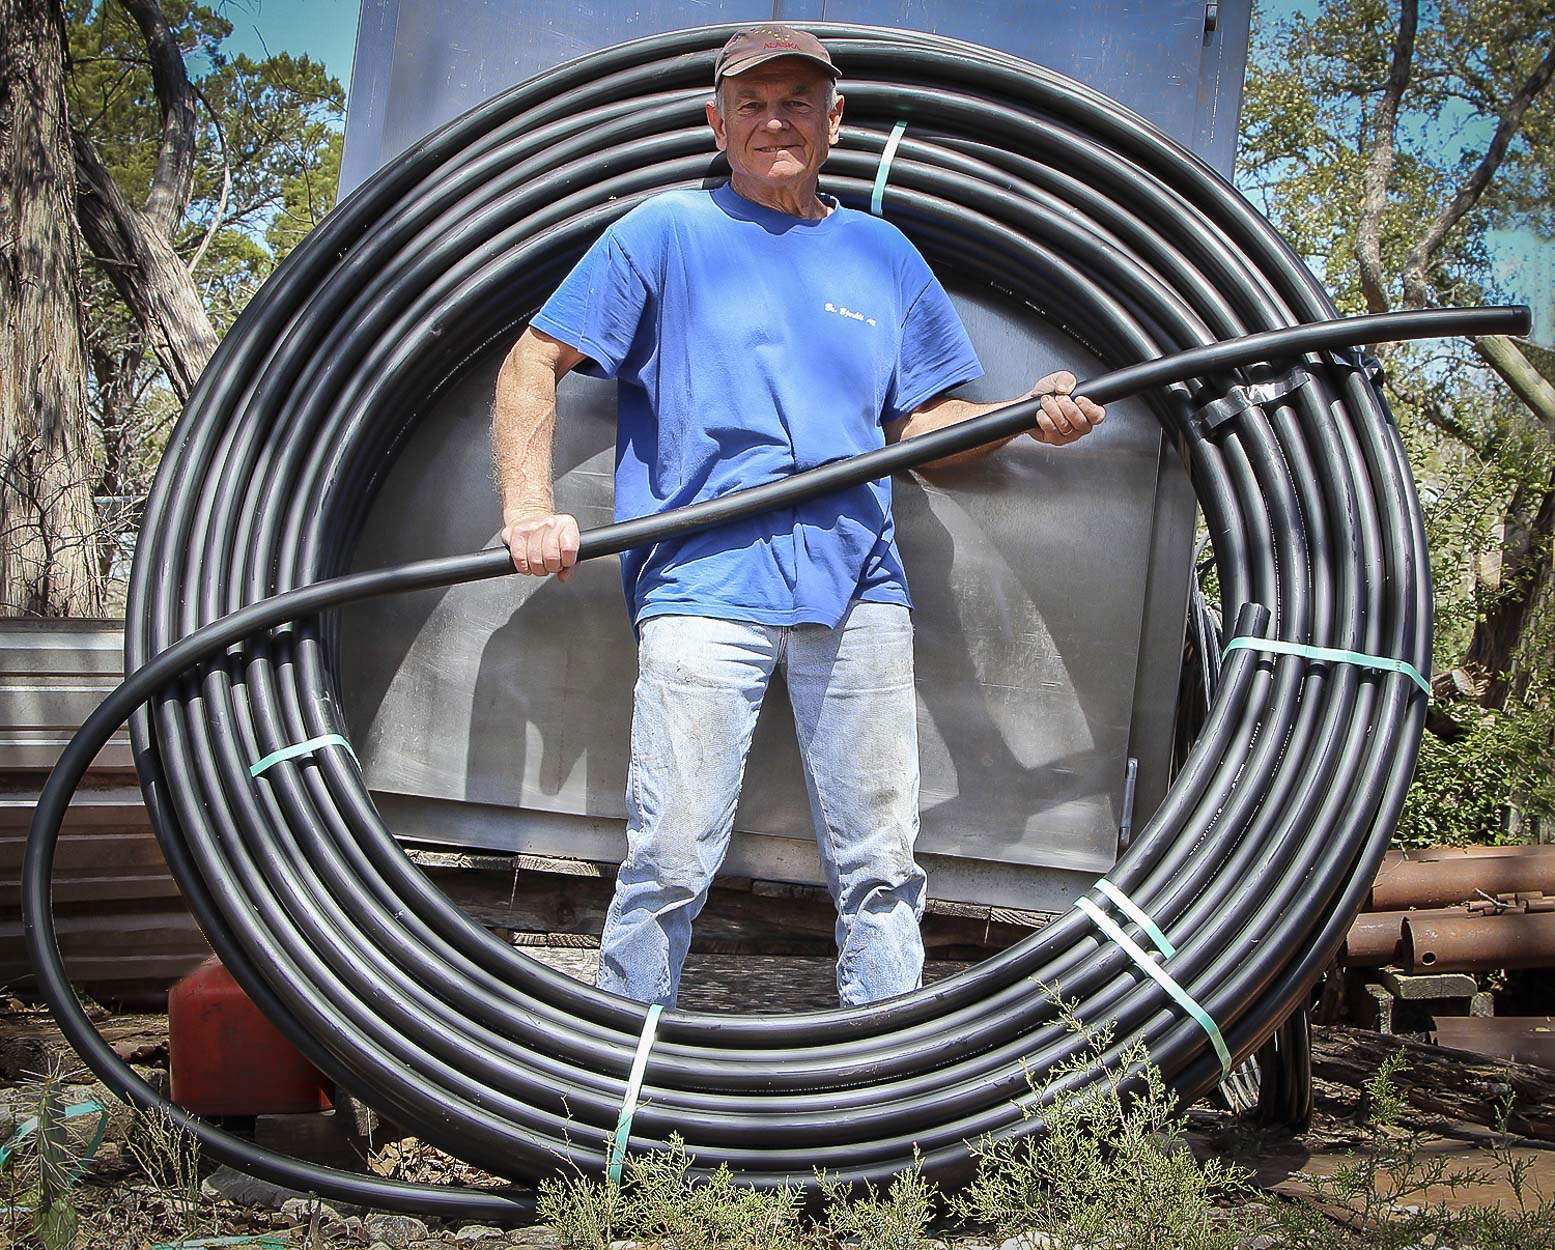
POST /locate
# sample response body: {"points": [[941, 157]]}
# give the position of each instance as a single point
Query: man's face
{"points": [[775, 127]]}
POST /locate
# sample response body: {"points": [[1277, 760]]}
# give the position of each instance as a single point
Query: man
{"points": [[756, 330]]}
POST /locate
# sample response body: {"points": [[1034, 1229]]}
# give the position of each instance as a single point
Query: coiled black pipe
{"points": [[1013, 175]]}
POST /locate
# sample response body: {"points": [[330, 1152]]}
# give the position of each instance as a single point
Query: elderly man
{"points": [[756, 330]]}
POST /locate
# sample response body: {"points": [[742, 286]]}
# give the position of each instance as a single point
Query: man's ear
{"points": [[720, 135], [835, 121]]}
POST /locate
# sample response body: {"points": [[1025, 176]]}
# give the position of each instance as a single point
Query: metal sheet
{"points": [[1050, 586], [115, 901], [420, 64], [517, 693]]}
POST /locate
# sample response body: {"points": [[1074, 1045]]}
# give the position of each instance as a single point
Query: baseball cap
{"points": [[759, 44]]}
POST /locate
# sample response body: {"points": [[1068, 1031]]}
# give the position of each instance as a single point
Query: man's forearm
{"points": [[1062, 418], [523, 423], [947, 411]]}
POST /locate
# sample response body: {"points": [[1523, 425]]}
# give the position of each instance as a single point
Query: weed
{"points": [[899, 1219], [1389, 1193], [659, 1201], [1107, 1164], [170, 1159]]}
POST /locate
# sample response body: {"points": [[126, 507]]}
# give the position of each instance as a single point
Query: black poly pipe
{"points": [[1253, 865]]}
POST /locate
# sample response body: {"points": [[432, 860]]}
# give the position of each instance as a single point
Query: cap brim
{"points": [[761, 58]]}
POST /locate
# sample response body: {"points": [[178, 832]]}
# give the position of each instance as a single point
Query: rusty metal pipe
{"points": [[1376, 938], [1460, 942], [1441, 876]]}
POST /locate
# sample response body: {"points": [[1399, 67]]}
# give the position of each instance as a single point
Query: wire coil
{"points": [[1014, 176]]}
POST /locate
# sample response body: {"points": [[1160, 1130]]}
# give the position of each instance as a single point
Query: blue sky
{"points": [[324, 29]]}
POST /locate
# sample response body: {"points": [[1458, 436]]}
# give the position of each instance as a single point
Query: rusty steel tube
{"points": [[1462, 942], [1444, 875], [1376, 938]]}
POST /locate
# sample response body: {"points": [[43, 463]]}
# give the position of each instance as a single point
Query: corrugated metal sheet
{"points": [[123, 928]]}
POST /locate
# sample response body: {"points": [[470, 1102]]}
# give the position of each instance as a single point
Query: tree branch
{"points": [[1438, 415], [1518, 372], [1379, 165], [144, 270], [226, 185], [174, 176], [1468, 194]]}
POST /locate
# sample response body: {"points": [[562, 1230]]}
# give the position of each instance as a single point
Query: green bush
{"points": [[1109, 1165], [1462, 789]]}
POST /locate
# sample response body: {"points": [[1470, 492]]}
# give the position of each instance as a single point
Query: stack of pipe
{"points": [[1459, 909]]}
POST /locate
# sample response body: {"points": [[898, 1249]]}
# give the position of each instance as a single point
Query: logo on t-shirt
{"points": [[847, 312]]}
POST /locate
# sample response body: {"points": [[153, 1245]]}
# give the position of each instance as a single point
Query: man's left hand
{"points": [[1065, 416]]}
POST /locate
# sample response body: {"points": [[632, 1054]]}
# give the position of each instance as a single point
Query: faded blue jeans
{"points": [[700, 684]]}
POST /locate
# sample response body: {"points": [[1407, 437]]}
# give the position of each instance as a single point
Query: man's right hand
{"points": [[543, 543]]}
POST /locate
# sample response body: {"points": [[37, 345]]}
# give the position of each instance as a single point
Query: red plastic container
{"points": [[227, 1059]]}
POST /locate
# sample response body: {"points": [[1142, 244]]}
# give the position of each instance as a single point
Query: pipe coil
{"points": [[1254, 864]]}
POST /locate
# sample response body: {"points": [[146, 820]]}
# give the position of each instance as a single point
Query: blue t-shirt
{"points": [[750, 345]]}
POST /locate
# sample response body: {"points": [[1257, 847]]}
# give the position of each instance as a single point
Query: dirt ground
{"points": [[122, 1209]]}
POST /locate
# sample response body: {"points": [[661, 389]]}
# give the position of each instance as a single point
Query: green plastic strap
{"points": [[1384, 662], [634, 1084], [30, 1126], [300, 748], [265, 1241], [884, 172], [1161, 977], [1138, 915]]}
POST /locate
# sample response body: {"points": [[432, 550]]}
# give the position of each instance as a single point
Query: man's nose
{"points": [[776, 121]]}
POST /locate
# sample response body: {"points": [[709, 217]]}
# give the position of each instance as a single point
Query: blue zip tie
{"points": [[886, 156], [1138, 915], [634, 1085], [30, 1126], [300, 748], [1278, 647], [1162, 978]]}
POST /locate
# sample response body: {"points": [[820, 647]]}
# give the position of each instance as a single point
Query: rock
{"points": [[397, 1230], [1031, 1239], [535, 1237], [247, 1191], [477, 1232], [300, 1211]]}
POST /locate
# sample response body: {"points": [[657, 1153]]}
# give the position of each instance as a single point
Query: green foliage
{"points": [[896, 1219], [1311, 94], [1482, 459], [659, 1200], [1462, 788], [1105, 1163]]}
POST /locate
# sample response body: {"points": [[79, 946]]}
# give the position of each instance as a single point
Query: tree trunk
{"points": [[48, 530], [1525, 569], [145, 271]]}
